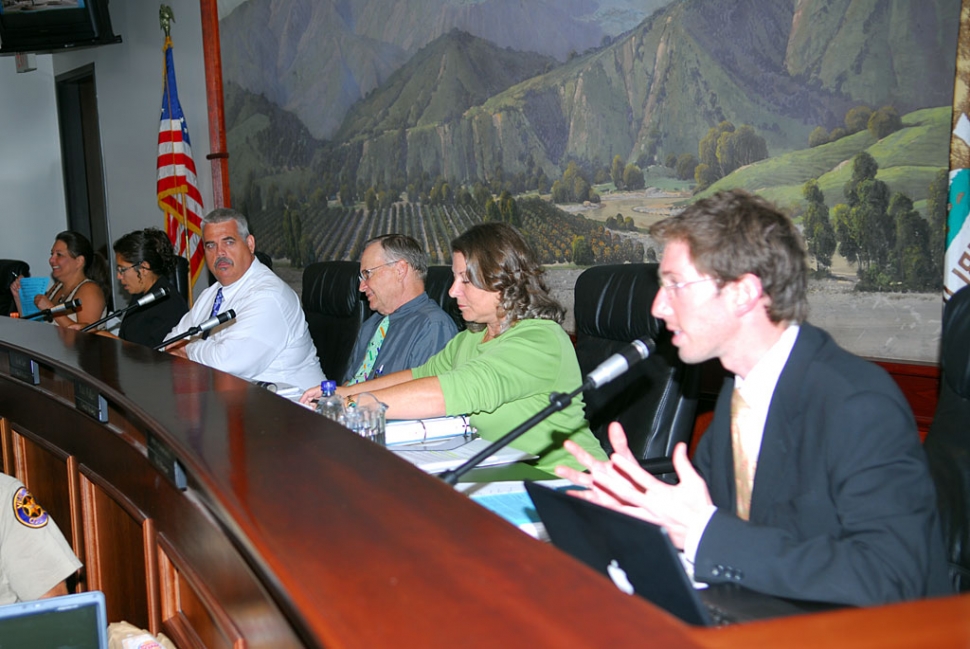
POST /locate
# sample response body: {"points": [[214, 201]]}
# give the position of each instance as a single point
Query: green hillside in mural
{"points": [[908, 160], [461, 122]]}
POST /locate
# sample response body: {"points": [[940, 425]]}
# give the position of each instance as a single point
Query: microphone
{"points": [[70, 305], [211, 323], [617, 364], [608, 370], [157, 293]]}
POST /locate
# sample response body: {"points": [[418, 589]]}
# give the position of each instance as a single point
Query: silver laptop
{"points": [[640, 558], [69, 622]]}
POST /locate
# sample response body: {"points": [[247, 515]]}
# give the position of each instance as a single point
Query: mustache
{"points": [[221, 260]]}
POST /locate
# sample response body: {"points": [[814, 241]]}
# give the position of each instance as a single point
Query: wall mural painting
{"points": [[585, 121]]}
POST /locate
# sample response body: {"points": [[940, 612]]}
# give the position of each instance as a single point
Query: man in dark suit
{"points": [[810, 482]]}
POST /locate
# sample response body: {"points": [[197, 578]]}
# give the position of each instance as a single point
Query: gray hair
{"points": [[223, 214], [401, 246]]}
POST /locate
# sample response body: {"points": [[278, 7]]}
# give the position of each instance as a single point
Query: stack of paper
{"points": [[406, 431], [448, 454]]}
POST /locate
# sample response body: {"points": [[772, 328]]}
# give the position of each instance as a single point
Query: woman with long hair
{"points": [[144, 260], [503, 368], [77, 272]]}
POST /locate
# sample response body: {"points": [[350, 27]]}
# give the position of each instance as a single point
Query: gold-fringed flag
{"points": [[177, 185], [956, 263]]}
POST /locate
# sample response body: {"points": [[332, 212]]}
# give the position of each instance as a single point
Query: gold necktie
{"points": [[744, 466]]}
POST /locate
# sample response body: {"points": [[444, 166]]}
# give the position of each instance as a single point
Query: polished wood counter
{"points": [[294, 532]]}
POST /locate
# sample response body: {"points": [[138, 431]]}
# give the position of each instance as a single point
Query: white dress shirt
{"points": [[267, 341], [757, 388]]}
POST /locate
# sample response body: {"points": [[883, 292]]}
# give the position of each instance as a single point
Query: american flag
{"points": [[177, 186]]}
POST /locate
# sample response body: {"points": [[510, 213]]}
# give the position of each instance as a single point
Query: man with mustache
{"points": [[268, 340]]}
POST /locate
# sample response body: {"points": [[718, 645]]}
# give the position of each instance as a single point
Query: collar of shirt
{"points": [[229, 291], [759, 386], [757, 390], [411, 305]]}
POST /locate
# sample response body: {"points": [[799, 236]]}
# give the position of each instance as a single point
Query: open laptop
{"points": [[69, 622], [640, 558]]}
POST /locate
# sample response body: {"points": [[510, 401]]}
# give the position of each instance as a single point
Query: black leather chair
{"points": [[179, 277], [334, 312], [9, 270], [436, 285], [948, 442], [656, 400], [264, 259]]}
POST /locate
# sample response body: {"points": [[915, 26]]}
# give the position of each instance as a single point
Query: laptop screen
{"points": [[68, 622]]}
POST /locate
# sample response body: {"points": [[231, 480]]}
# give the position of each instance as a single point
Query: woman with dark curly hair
{"points": [[144, 259], [512, 356]]}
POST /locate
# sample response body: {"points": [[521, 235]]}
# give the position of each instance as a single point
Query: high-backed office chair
{"points": [[948, 442], [334, 312], [264, 259], [436, 285], [656, 400], [9, 270], [179, 277]]}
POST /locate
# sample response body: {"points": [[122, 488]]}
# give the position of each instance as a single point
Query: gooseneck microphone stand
{"points": [[557, 401], [608, 370]]}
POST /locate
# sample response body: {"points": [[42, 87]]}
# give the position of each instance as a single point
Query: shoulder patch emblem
{"points": [[27, 510]]}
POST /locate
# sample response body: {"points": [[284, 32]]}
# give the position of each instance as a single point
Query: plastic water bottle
{"points": [[330, 405]]}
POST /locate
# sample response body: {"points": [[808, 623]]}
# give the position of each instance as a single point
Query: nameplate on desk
{"points": [[91, 402], [162, 457], [24, 368]]}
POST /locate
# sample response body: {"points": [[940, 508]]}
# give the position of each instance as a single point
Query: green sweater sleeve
{"points": [[524, 361]]}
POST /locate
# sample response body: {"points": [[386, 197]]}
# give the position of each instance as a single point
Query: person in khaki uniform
{"points": [[35, 558]]}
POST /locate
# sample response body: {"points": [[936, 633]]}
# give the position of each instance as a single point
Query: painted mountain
{"points": [[394, 87], [316, 58]]}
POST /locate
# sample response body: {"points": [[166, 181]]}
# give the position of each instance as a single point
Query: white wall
{"points": [[31, 180], [128, 78]]}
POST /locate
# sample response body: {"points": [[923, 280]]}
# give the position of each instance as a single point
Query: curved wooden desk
{"points": [[294, 532]]}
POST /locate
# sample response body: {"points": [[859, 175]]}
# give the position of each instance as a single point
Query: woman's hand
{"points": [[43, 302], [15, 291], [311, 395]]}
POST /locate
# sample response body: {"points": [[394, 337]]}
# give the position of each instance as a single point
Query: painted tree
{"points": [[911, 259], [686, 165], [818, 231], [633, 177], [884, 121], [616, 171], [867, 221], [936, 207], [582, 251], [857, 119]]}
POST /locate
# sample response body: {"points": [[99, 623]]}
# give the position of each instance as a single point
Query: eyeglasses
{"points": [[674, 287], [121, 270], [365, 274]]}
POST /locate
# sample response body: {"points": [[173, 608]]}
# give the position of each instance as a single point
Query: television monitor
{"points": [[46, 26]]}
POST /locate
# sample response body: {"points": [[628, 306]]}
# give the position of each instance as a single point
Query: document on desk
{"points": [[510, 501], [450, 453], [31, 287], [408, 431]]}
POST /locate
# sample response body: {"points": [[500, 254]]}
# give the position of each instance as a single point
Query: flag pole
{"points": [[177, 183]]}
